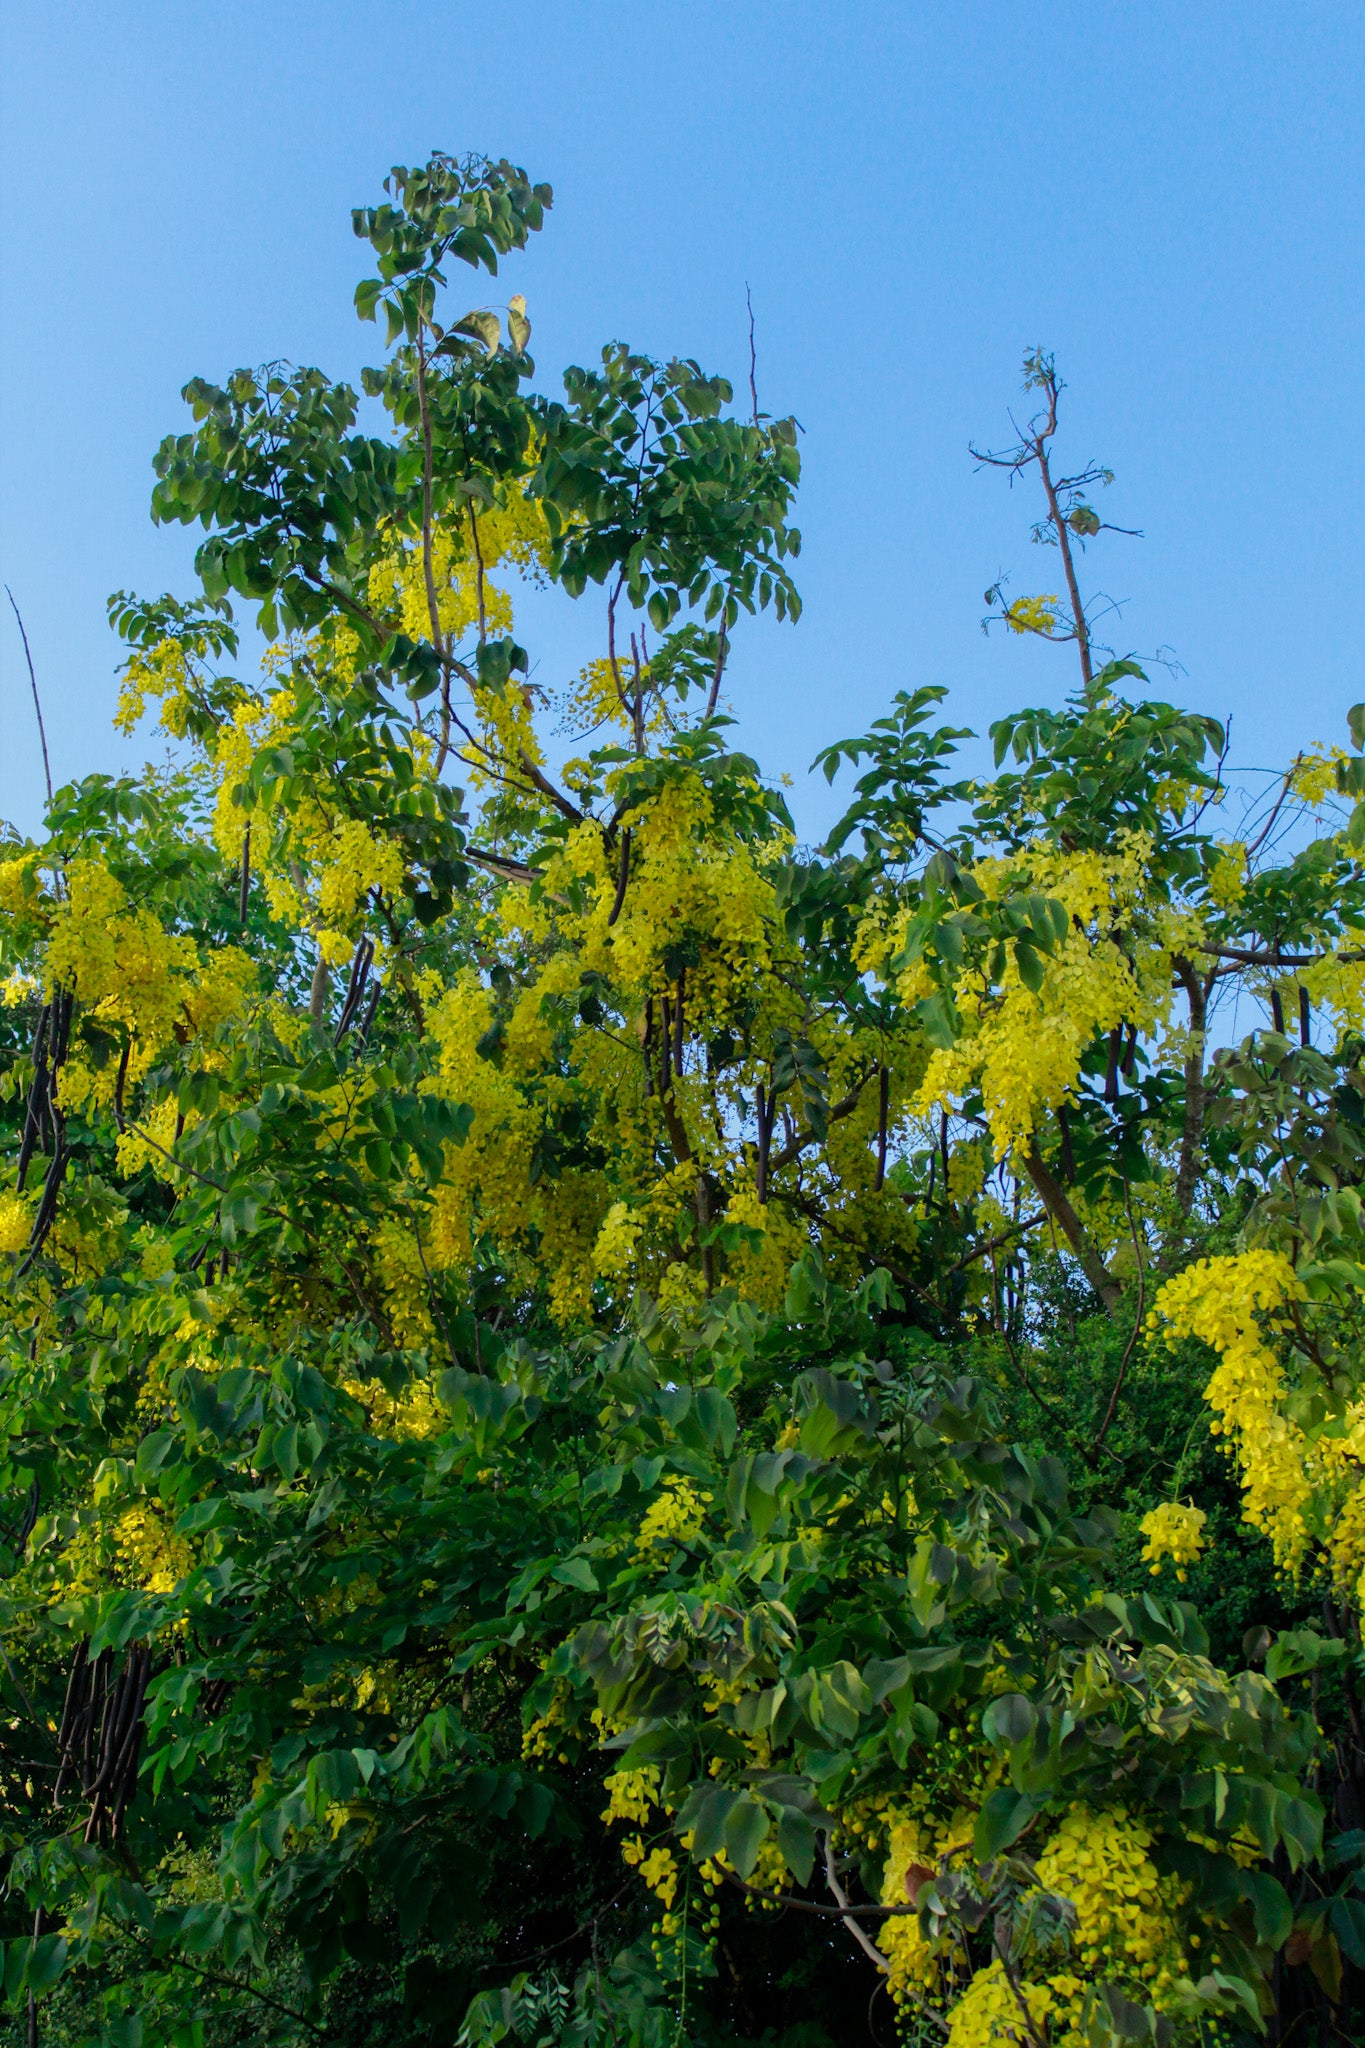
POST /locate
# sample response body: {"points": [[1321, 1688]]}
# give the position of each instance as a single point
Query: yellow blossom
{"points": [[1173, 1530]]}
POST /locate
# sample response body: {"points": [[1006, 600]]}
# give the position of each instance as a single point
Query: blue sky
{"points": [[1169, 197]]}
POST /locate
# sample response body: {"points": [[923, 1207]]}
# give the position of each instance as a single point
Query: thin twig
{"points": [[33, 684], [622, 879], [796, 1905], [244, 892], [869, 1948], [1275, 958], [995, 1244], [534, 1954], [883, 1108], [261, 1997], [14, 1681], [1098, 1445], [1012, 1979]]}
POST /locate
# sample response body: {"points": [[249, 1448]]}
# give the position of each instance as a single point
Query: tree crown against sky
{"points": [[552, 1329]]}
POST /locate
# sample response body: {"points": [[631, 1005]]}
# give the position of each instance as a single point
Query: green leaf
{"points": [[746, 1830], [1348, 1925], [46, 1962], [1030, 964], [1270, 1903], [796, 1840], [935, 1016], [483, 326], [1009, 1719], [576, 1572], [717, 1415], [1295, 1651], [1004, 1815], [705, 1814]]}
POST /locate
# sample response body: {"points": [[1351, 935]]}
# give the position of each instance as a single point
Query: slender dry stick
{"points": [[1186, 1171], [1038, 2039], [431, 1293], [1098, 1444], [637, 712], [1259, 841], [612, 656], [869, 1948], [236, 1984], [883, 1107], [722, 648], [994, 1244], [1064, 543], [33, 685], [847, 1913], [478, 564], [753, 354], [809, 1905]]}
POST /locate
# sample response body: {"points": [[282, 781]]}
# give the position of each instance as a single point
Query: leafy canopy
{"points": [[582, 1387]]}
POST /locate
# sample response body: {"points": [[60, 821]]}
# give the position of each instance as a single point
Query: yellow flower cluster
{"points": [[1097, 1859], [1100, 1860], [918, 1844], [988, 2013], [688, 879], [613, 1252], [966, 1172], [1227, 883], [1125, 1932], [121, 964], [513, 532], [1022, 1048], [398, 585], [658, 1867], [1337, 985], [1174, 1530], [136, 1151], [760, 1269], [1314, 774], [150, 1551], [161, 672], [631, 1795], [1033, 614], [544, 1732], [413, 1412], [16, 1222], [1348, 1546], [126, 970], [915, 1848], [1218, 1301], [253, 725], [352, 863], [18, 884], [634, 1796], [675, 1517]]}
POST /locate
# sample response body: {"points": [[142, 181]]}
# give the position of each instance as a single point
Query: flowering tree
{"points": [[551, 1337]]}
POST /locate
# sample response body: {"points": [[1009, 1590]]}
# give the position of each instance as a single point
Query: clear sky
{"points": [[1169, 196]]}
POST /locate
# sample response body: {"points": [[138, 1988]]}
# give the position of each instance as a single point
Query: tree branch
{"points": [[1053, 1196]]}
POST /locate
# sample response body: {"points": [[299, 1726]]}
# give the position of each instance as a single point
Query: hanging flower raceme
{"points": [[1024, 1032], [1220, 1301], [1174, 1530]]}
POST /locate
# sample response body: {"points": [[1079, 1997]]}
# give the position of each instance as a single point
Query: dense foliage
{"points": [[617, 1430]]}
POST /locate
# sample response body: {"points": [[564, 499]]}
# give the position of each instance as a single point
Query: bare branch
{"points": [[33, 685]]}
